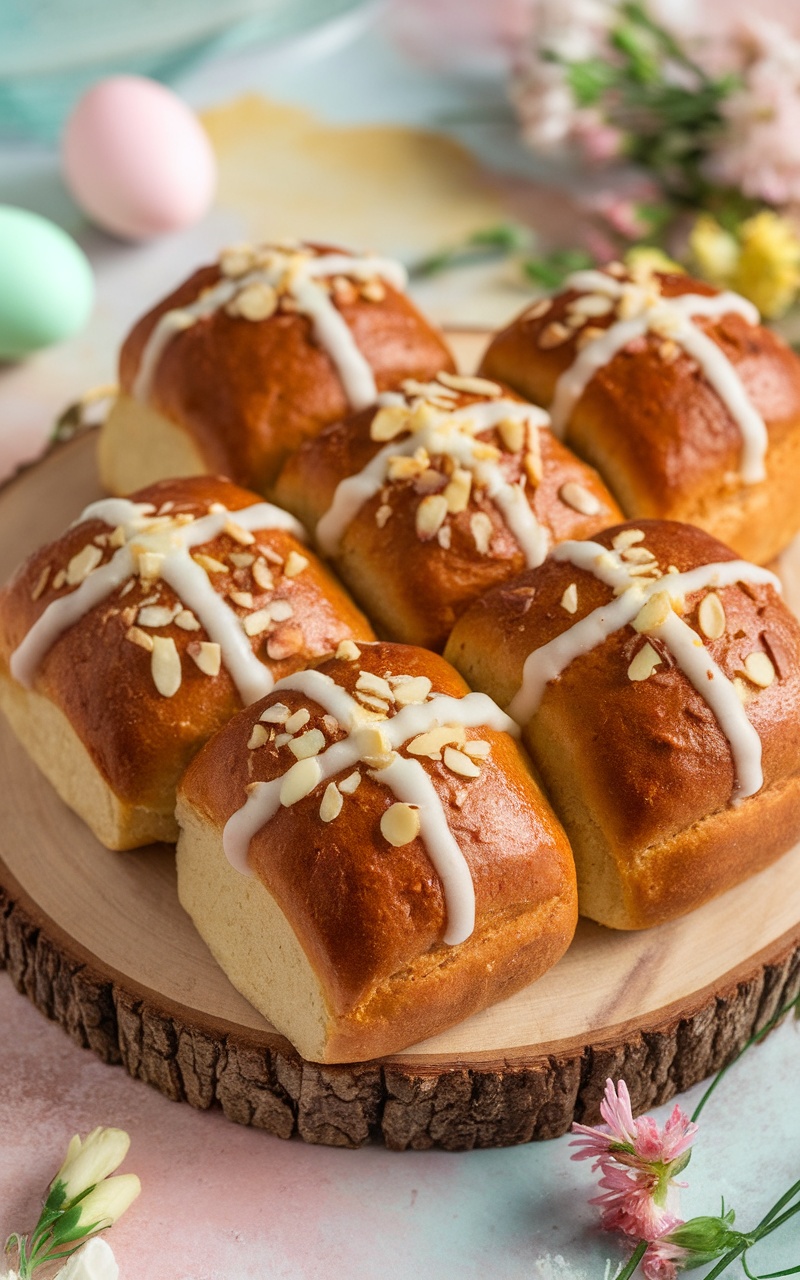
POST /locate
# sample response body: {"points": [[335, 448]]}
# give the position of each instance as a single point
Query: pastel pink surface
{"points": [[136, 158]]}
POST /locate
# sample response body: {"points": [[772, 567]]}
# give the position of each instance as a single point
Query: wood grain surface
{"points": [[99, 942]]}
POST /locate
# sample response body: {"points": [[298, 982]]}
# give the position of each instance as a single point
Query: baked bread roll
{"points": [[368, 857], [657, 678], [438, 493], [251, 356], [687, 406], [132, 638]]}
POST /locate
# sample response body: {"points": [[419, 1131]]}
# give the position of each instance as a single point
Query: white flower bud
{"points": [[88, 1162], [95, 1261], [108, 1201]]}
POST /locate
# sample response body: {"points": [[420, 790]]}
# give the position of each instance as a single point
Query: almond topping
{"points": [[374, 747], [81, 565], [242, 559], [348, 651], [711, 616], [286, 644], [744, 691], [236, 260], [579, 498], [308, 744], [382, 515], [431, 515], [644, 664], [654, 612], [258, 736], [478, 748], [243, 598], [186, 620], [432, 742], [136, 636], [469, 384], [297, 720], [458, 762], [533, 458], [209, 563], [282, 739], [590, 334], [280, 610], [569, 600], [276, 714], [669, 351], [256, 623], [165, 666], [538, 309], [373, 291], [368, 682], [351, 783], [331, 724], [295, 564], [512, 433], [456, 495], [553, 335], [627, 538], [389, 422], [256, 301], [400, 824], [481, 527], [412, 691], [638, 555], [262, 576], [116, 538], [155, 615], [300, 781], [591, 304], [208, 656], [149, 565], [445, 537], [41, 583], [240, 535], [332, 803], [759, 669]]}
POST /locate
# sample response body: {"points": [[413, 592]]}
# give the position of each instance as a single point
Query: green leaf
{"points": [[56, 1197], [550, 270], [590, 79], [66, 1224]]}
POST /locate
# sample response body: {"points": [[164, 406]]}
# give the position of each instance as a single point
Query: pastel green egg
{"points": [[46, 283]]}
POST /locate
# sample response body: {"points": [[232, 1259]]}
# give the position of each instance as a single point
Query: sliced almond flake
{"points": [[552, 335], [300, 781], [638, 555], [155, 615], [432, 742], [243, 598], [209, 563], [186, 620], [137, 636], [653, 613], [534, 468], [413, 387], [332, 803], [280, 610], [430, 481], [445, 537], [343, 290], [382, 515], [82, 564], [257, 301], [243, 536], [402, 468], [512, 433], [626, 539], [297, 720], [373, 291], [276, 714], [257, 623], [711, 616], [579, 498], [165, 666], [282, 739], [374, 747], [469, 384], [286, 644], [117, 538], [308, 744], [744, 691], [369, 682], [457, 762], [538, 309], [101, 540], [759, 669], [208, 656], [574, 321], [414, 690], [377, 704], [295, 564], [485, 452], [123, 590], [258, 736], [458, 491], [41, 583], [460, 797], [481, 527], [588, 334], [591, 304], [669, 351], [389, 422], [331, 724], [350, 784], [236, 260], [431, 515], [262, 576], [242, 559], [347, 651], [216, 508], [149, 564], [400, 824], [644, 664], [478, 748], [569, 600], [650, 568]]}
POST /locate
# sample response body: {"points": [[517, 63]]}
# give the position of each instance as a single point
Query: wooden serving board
{"points": [[99, 942]]}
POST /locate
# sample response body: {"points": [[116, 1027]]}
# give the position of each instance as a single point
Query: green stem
{"points": [[779, 1204], [759, 1035], [633, 1261]]}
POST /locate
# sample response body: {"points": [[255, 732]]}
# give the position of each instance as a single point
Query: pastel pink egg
{"points": [[136, 159]]}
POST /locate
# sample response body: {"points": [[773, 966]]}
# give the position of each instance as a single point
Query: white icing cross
{"points": [[450, 433], [297, 273], [684, 644], [672, 318], [171, 540], [406, 778]]}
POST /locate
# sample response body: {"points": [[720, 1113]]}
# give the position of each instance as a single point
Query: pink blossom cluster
{"points": [[637, 1162]]}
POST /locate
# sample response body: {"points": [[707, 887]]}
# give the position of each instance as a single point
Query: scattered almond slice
{"points": [[377, 704], [209, 563], [155, 615], [257, 301], [243, 598], [638, 555], [711, 616], [412, 691], [588, 335], [186, 620], [553, 335], [400, 824], [331, 724], [382, 515], [389, 422], [368, 682], [460, 763], [457, 492], [41, 583], [431, 515], [149, 564], [332, 803], [569, 600], [627, 538], [241, 559], [432, 742], [208, 656], [759, 669], [470, 385], [644, 664], [348, 651], [278, 713], [295, 564], [580, 499], [258, 736], [481, 528], [137, 636], [478, 748], [351, 783], [280, 610], [165, 666], [262, 576], [82, 564], [538, 309], [256, 623], [374, 747], [653, 613], [282, 739], [297, 720], [373, 291], [300, 781], [592, 304], [512, 433], [308, 744]]}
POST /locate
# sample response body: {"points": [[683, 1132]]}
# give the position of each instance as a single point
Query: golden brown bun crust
{"points": [[648, 758], [365, 911], [139, 740], [657, 431], [250, 392], [415, 589]]}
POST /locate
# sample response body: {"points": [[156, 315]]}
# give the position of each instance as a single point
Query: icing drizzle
{"points": [[451, 433], [684, 644], [297, 273], [171, 540], [671, 318], [406, 779]]}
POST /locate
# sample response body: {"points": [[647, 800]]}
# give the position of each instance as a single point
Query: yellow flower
{"points": [[768, 269], [714, 250], [644, 259]]}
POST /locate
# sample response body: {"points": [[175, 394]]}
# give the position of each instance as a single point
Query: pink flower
{"points": [[642, 1138], [663, 1259]]}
